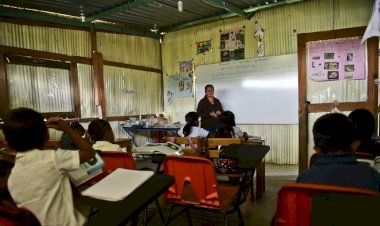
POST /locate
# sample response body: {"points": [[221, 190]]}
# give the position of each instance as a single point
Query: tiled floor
{"points": [[262, 210]]}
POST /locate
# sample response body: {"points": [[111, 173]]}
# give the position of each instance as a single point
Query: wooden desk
{"points": [[120, 212]]}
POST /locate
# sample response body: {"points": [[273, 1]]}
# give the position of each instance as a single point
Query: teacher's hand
{"points": [[218, 112], [213, 114]]}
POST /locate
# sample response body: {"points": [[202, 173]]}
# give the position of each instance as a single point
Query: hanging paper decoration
{"points": [[259, 35], [203, 46], [374, 23], [186, 66], [232, 44], [336, 60]]}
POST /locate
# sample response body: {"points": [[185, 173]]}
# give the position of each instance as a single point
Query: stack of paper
{"points": [[118, 185]]}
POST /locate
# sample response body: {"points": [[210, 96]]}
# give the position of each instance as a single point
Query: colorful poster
{"points": [[336, 60], [232, 44], [203, 46], [186, 66], [180, 85]]}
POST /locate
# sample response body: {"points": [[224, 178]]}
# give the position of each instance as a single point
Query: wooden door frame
{"points": [[304, 107]]}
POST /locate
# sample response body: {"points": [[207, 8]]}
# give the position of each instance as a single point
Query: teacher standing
{"points": [[209, 108]]}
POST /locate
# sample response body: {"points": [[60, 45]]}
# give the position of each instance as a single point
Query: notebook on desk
{"points": [[118, 185]]}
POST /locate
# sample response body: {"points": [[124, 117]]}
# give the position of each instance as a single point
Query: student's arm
{"points": [[85, 148]]}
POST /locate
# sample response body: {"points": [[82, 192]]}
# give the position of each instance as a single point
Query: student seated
{"points": [[39, 179], [192, 129], [101, 134], [334, 136], [67, 143], [229, 128], [365, 129]]}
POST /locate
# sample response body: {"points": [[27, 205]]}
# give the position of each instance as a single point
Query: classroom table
{"points": [[248, 157], [260, 169], [133, 130], [120, 212]]}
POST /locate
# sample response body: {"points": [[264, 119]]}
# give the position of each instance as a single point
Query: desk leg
{"points": [[260, 179], [132, 134], [248, 204], [156, 136]]}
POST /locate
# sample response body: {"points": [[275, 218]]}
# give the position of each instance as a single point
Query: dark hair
{"points": [[77, 127], [191, 120], [227, 118], [25, 129], [207, 86], [98, 128], [67, 143], [333, 132], [364, 124]]}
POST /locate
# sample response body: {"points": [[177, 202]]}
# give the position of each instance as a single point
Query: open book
{"points": [[118, 185], [168, 148], [86, 171]]}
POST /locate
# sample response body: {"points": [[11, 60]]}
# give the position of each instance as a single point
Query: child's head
{"points": [[100, 130], [77, 127], [25, 129], [333, 132], [364, 123], [192, 118], [227, 118]]}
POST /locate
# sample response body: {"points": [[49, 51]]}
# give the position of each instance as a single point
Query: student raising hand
{"points": [[86, 152]]}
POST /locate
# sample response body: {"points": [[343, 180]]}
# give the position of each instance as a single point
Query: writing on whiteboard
{"points": [[258, 91]]}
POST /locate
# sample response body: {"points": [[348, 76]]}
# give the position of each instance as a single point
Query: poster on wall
{"points": [[203, 46], [336, 60], [186, 66], [232, 45], [180, 85]]}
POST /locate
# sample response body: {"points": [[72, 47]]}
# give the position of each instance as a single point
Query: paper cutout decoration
{"points": [[259, 35], [204, 46], [373, 28]]}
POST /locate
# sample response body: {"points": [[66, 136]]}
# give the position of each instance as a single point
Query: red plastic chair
{"points": [[116, 159], [113, 160], [196, 187], [294, 201], [11, 215]]}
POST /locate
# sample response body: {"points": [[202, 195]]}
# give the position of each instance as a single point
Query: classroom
{"points": [[124, 61]]}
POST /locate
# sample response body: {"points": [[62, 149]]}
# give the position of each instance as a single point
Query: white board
{"points": [[258, 91]]}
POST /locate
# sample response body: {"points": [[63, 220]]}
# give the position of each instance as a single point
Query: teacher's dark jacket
{"points": [[204, 109]]}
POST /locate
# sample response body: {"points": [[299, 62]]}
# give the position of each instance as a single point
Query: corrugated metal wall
{"points": [[142, 51], [54, 40], [131, 92], [139, 51], [281, 26], [43, 89]]}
